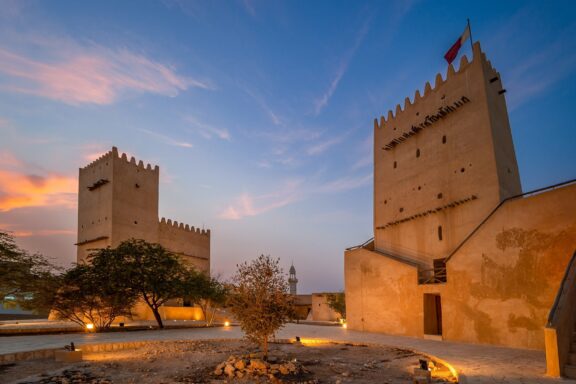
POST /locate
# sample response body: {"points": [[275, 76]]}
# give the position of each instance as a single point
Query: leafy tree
{"points": [[24, 275], [207, 292], [92, 293], [261, 301], [152, 271], [337, 302]]}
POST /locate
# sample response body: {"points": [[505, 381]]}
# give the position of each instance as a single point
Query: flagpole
{"points": [[470, 31]]}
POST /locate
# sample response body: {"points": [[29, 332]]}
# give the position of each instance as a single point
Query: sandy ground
{"points": [[194, 362]]}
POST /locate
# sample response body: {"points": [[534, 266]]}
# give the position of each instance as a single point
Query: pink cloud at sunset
{"points": [[93, 75], [19, 190], [246, 205]]}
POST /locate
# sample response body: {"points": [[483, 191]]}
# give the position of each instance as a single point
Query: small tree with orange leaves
{"points": [[260, 300]]}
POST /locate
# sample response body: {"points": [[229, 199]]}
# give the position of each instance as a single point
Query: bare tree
{"points": [[261, 301]]}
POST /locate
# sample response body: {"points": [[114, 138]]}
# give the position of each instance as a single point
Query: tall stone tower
{"points": [[292, 280], [442, 163], [118, 200]]}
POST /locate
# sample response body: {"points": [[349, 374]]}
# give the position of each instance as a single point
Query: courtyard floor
{"points": [[474, 363]]}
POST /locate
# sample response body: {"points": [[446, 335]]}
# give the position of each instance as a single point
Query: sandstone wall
{"points": [[500, 284], [191, 244], [443, 162], [321, 311]]}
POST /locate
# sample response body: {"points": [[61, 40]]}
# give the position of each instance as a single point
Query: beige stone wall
{"points": [[381, 294], [505, 280], [118, 200], [135, 201], [94, 211], [191, 244], [321, 311], [445, 160], [501, 283]]}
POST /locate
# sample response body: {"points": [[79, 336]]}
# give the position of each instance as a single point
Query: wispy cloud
{"points": [[168, 140], [324, 145], [20, 190], [8, 160], [529, 73], [323, 101], [366, 154], [64, 70], [262, 103], [534, 75], [247, 205], [206, 130], [249, 7], [344, 184]]}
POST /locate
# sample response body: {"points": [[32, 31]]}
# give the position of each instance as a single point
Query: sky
{"points": [[259, 113]]}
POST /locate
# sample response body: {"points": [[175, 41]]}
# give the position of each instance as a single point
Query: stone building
{"points": [[459, 252], [118, 200]]}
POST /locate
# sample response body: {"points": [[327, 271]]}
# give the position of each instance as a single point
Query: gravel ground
{"points": [[195, 361]]}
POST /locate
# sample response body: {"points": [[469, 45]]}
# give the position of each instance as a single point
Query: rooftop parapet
{"points": [[439, 81], [174, 225], [115, 154]]}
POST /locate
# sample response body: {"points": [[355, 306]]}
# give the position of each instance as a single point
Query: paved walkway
{"points": [[476, 363]]}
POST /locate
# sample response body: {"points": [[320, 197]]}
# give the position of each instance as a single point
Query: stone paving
{"points": [[475, 363]]}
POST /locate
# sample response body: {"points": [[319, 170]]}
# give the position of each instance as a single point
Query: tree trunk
{"points": [[265, 348], [157, 317]]}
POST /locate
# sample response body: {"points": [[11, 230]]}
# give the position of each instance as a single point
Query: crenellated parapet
{"points": [[118, 200], [103, 158], [193, 244], [448, 104], [132, 161], [175, 227], [114, 154]]}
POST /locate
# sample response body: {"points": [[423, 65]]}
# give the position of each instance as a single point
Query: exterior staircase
{"points": [[570, 368]]}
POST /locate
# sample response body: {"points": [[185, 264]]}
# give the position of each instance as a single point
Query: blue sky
{"points": [[259, 113]]}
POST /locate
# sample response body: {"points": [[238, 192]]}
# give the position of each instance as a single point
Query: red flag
{"points": [[453, 51]]}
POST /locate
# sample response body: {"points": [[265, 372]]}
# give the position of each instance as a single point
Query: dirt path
{"points": [[194, 362]]}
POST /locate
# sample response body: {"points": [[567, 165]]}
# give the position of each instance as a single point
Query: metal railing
{"points": [[565, 287], [363, 245]]}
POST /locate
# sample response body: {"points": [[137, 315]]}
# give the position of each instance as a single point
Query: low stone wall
{"points": [[49, 353]]}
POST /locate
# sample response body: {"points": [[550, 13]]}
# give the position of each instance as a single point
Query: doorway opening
{"points": [[432, 315]]}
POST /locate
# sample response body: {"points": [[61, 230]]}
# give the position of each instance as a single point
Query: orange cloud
{"points": [[45, 232], [19, 190]]}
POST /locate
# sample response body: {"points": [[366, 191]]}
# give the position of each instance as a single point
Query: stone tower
{"points": [[442, 163], [292, 280], [118, 200]]}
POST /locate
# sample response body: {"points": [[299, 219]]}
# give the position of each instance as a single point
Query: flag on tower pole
{"points": [[453, 51]]}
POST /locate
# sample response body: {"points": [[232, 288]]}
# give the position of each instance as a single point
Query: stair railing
{"points": [[560, 326]]}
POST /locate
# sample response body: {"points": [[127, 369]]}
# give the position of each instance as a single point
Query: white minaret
{"points": [[292, 280]]}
